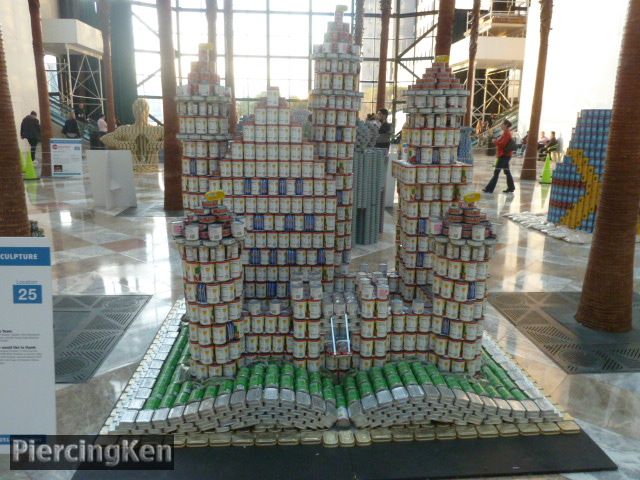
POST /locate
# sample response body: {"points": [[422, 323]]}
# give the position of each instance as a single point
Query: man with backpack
{"points": [[505, 146]]}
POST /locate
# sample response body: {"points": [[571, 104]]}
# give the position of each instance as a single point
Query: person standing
{"points": [[80, 112], [505, 146], [384, 132], [30, 131], [102, 125], [71, 128]]}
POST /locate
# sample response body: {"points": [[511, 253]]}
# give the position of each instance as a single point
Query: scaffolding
{"points": [[76, 75], [501, 33]]}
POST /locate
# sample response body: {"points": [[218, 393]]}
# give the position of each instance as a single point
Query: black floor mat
{"points": [[547, 319], [535, 455], [86, 328]]}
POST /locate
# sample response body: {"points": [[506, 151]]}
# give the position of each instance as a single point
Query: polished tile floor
{"points": [[98, 252]]}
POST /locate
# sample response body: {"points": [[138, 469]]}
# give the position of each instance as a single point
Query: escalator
{"points": [[60, 112]]}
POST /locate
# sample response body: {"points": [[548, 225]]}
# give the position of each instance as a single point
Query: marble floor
{"points": [[98, 252]]}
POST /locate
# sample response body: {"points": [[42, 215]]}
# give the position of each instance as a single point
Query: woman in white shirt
{"points": [[102, 124]]}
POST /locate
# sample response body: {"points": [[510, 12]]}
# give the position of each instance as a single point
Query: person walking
{"points": [[71, 128], [30, 131], [505, 146]]}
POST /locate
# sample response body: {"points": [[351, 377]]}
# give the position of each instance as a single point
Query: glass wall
{"points": [[273, 40]]}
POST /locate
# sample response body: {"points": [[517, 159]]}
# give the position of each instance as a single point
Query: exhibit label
{"points": [[27, 372]]}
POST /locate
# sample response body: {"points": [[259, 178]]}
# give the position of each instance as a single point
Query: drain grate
{"points": [[86, 328], [547, 319]]}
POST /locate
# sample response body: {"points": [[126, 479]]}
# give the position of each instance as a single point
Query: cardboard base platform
{"points": [[536, 455]]}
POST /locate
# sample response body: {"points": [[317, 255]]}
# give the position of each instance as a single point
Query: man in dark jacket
{"points": [[384, 132], [30, 130]]}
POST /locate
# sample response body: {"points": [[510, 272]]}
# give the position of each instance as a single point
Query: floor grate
{"points": [[86, 328], [547, 319]]}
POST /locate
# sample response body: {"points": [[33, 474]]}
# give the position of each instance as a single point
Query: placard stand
{"points": [[27, 376], [111, 175]]}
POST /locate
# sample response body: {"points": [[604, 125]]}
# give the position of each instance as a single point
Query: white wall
{"points": [[18, 48], [584, 45]]}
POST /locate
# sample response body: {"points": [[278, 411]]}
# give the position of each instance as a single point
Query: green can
{"points": [[302, 384], [168, 400], [287, 382], [185, 393], [211, 391], [226, 387], [478, 388], [315, 388], [241, 383], [341, 400], [271, 379], [153, 402]]}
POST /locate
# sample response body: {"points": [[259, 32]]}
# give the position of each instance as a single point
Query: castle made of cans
{"points": [[266, 239]]}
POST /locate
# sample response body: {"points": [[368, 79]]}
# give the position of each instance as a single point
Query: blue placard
{"points": [[27, 294], [25, 256]]}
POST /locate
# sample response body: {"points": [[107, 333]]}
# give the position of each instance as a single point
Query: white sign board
{"points": [[27, 372], [66, 157], [111, 175]]}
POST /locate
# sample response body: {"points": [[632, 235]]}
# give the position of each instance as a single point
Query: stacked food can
{"points": [[460, 246], [305, 341], [335, 102], [203, 114], [371, 337], [577, 180], [265, 326], [429, 177], [210, 244], [288, 202]]}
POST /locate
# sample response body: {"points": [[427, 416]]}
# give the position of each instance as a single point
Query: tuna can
{"points": [[436, 324], [213, 293], [314, 329], [299, 328], [469, 350], [315, 310], [206, 355], [379, 347], [277, 343], [469, 271], [284, 323], [440, 345], [381, 328], [296, 134], [264, 344], [455, 231], [478, 309], [299, 348], [452, 309], [221, 313], [456, 329], [193, 329], [219, 333], [366, 347], [466, 311], [461, 291], [204, 335], [471, 330], [409, 341], [424, 323]]}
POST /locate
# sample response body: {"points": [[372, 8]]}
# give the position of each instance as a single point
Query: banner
{"points": [[27, 376], [66, 157]]}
